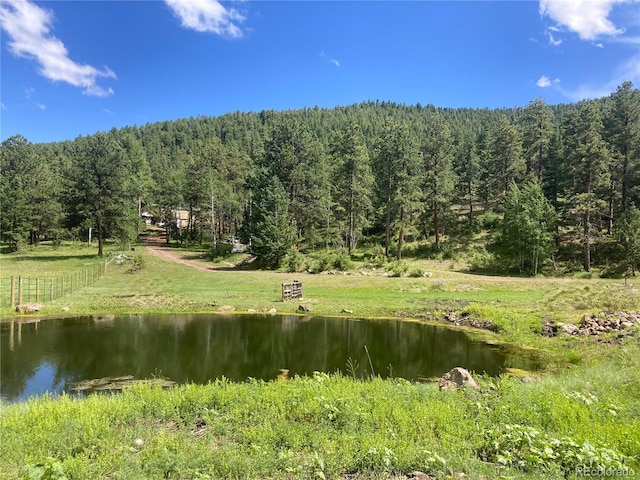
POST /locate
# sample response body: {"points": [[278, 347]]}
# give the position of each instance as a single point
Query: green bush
{"points": [[397, 268], [293, 261]]}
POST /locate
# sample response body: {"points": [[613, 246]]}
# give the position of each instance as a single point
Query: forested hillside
{"points": [[544, 185]]}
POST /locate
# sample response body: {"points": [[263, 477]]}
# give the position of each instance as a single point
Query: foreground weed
{"points": [[528, 449]]}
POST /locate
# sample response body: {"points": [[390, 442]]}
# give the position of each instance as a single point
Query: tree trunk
{"points": [[387, 227], [625, 168], [351, 214], [611, 195], [436, 225], [100, 236], [586, 246], [400, 235]]}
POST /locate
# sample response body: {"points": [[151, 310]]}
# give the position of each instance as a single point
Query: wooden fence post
{"points": [[37, 289], [105, 266], [51, 290], [20, 290], [13, 292]]}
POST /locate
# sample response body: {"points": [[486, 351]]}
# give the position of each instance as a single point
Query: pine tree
{"points": [[528, 226], [272, 232], [354, 180], [397, 162], [590, 158], [439, 176], [537, 134], [508, 163]]}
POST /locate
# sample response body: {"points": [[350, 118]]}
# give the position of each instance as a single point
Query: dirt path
{"points": [[155, 246]]}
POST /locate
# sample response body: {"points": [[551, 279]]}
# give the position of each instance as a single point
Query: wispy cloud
{"points": [[324, 58], [208, 16], [29, 30], [552, 40], [628, 71], [588, 18], [3, 106], [41, 106], [107, 111]]}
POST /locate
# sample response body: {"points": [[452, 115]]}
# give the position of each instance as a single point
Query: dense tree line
{"points": [[547, 181]]}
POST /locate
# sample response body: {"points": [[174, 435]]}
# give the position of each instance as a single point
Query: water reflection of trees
{"points": [[200, 348]]}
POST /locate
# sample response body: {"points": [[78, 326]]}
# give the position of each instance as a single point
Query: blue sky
{"points": [[77, 67]]}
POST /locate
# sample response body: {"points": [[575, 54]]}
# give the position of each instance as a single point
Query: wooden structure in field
{"points": [[291, 290]]}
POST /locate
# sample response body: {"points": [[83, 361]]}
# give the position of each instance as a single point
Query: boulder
{"points": [[28, 307], [272, 311], [456, 378], [226, 308], [419, 476], [304, 307], [567, 328], [346, 310]]}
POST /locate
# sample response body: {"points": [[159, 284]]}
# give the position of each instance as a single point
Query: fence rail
{"points": [[46, 289]]}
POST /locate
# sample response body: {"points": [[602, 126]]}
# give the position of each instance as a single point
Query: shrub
{"points": [[294, 261], [397, 268], [416, 273]]}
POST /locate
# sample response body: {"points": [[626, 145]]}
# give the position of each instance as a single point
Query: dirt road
{"points": [[155, 245]]}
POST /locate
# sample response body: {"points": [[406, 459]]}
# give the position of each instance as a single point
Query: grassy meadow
{"points": [[582, 409]]}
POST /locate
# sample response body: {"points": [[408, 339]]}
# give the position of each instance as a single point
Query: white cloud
{"points": [[207, 16], [29, 30], [599, 45], [543, 82], [28, 92], [588, 18], [107, 111], [552, 41], [41, 106], [3, 106]]}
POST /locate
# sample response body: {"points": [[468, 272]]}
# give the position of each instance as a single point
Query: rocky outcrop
{"points": [[304, 307], [464, 319], [456, 378], [226, 308], [595, 324], [28, 308]]}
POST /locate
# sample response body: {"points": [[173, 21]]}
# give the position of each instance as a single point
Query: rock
{"points": [[626, 324], [213, 304], [346, 310], [304, 307], [65, 309], [251, 310], [272, 311], [427, 274], [568, 329], [419, 476], [528, 380], [456, 378], [28, 307], [226, 308], [138, 442]]}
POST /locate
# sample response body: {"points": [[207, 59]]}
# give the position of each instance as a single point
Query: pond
{"points": [[50, 355]]}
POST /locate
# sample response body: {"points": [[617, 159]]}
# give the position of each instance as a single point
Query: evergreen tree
{"points": [[439, 176], [354, 181], [508, 163], [101, 191], [528, 226], [272, 233], [629, 237], [590, 158], [397, 162], [537, 134], [467, 168], [623, 134]]}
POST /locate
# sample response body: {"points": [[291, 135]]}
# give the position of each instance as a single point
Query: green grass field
{"points": [[584, 409]]}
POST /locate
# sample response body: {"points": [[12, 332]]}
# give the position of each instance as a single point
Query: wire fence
{"points": [[19, 290]]}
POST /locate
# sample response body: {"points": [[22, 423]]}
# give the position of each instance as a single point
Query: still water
{"points": [[49, 355]]}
